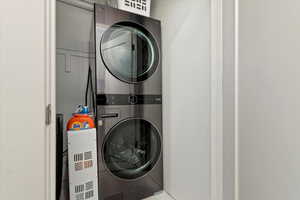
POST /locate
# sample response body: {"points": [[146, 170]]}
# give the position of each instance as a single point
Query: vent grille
{"points": [[88, 155], [84, 191], [89, 185], [88, 164], [79, 188], [78, 166], [78, 157], [83, 160], [89, 194], [79, 196]]}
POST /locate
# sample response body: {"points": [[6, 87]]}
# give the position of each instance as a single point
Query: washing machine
{"points": [[130, 151], [126, 64]]}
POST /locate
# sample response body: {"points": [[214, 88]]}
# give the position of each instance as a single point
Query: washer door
{"points": [[132, 148], [129, 52]]}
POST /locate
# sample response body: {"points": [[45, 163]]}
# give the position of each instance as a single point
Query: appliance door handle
{"points": [[109, 115]]}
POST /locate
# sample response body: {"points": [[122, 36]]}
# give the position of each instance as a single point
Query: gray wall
{"points": [[186, 87], [72, 43], [269, 100]]}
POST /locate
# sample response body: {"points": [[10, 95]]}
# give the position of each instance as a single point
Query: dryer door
{"points": [[129, 52], [132, 148]]}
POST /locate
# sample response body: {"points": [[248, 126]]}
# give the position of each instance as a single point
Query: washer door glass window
{"points": [[129, 52], [132, 148]]}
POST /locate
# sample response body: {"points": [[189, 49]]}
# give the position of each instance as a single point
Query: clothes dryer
{"points": [[128, 53]]}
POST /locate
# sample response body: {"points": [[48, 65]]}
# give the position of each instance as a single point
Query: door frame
{"points": [[50, 90], [216, 140], [216, 108]]}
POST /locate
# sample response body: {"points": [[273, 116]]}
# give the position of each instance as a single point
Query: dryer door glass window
{"points": [[129, 52], [132, 148]]}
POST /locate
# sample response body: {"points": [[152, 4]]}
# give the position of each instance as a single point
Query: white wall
{"points": [[186, 87], [228, 99], [269, 99], [22, 100]]}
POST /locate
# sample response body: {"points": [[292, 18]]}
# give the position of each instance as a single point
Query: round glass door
{"points": [[129, 52], [132, 148]]}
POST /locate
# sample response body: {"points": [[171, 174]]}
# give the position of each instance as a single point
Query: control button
{"points": [[132, 99]]}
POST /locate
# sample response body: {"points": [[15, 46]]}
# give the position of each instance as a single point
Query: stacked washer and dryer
{"points": [[126, 63]]}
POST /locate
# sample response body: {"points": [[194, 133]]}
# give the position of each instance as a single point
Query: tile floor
{"points": [[161, 196]]}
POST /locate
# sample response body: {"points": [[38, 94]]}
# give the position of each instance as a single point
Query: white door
{"points": [[24, 60], [269, 100]]}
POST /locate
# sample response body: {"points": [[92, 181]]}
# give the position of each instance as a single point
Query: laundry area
{"points": [[112, 68], [149, 100]]}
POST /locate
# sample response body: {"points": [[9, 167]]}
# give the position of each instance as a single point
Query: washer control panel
{"points": [[123, 99], [133, 99]]}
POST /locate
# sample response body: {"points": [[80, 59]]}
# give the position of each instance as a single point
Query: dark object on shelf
{"points": [[59, 152]]}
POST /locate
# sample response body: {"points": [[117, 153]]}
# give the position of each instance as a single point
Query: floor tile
{"points": [[151, 198], [161, 196]]}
